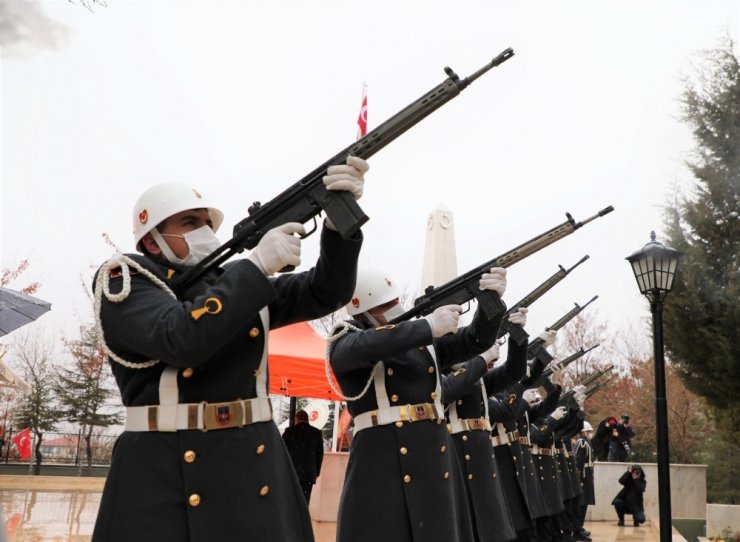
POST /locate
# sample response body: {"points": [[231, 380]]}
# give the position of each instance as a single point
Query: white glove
{"points": [[494, 280], [531, 396], [548, 337], [278, 248], [349, 177], [491, 355], [579, 389], [444, 320], [559, 413], [519, 317], [580, 399]]}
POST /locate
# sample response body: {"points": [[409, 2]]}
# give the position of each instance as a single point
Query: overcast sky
{"points": [[243, 98]]}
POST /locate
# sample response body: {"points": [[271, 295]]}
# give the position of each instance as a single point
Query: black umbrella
{"points": [[18, 309]]}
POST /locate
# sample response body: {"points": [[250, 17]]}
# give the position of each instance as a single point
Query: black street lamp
{"points": [[654, 267]]}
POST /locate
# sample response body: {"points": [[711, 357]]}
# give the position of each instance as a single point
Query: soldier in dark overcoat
{"points": [[584, 458], [403, 480], [466, 391], [200, 458], [541, 435]]}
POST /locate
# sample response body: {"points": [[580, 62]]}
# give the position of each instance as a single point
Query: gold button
{"points": [[264, 491], [470, 476], [390, 371], [514, 458], [394, 397], [399, 424], [459, 401], [430, 370], [434, 395], [253, 333], [407, 479], [442, 449], [422, 348], [447, 475], [467, 457], [465, 437], [187, 373], [194, 499], [494, 475], [260, 449], [189, 456], [404, 451]]}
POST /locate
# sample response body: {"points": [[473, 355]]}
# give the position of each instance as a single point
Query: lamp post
{"points": [[654, 266]]}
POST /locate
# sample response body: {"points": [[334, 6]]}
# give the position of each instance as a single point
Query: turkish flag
{"points": [[22, 441], [362, 118]]}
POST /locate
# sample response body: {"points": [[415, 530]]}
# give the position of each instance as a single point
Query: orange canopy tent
{"points": [[296, 360]]}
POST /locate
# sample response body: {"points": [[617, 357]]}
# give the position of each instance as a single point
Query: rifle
{"points": [[535, 348], [465, 287], [591, 385], [517, 333], [567, 361], [305, 199]]}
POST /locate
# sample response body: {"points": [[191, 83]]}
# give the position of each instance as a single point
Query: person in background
{"points": [[629, 499], [620, 446], [305, 445]]}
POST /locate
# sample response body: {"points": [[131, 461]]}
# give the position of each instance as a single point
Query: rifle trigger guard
{"points": [[309, 232]]}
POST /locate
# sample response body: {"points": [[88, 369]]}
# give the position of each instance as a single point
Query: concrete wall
{"points": [[721, 517], [325, 496], [688, 490]]}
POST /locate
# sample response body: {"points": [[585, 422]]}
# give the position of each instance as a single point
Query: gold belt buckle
{"points": [[476, 424], [422, 411], [223, 415]]}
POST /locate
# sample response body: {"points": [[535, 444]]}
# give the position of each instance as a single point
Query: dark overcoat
{"points": [[466, 395], [305, 445], [227, 484], [403, 480], [584, 459]]}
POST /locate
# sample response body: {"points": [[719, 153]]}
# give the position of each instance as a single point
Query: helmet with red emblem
{"points": [[373, 288], [164, 200]]}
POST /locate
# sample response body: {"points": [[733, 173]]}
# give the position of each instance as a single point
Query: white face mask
{"points": [[394, 312], [201, 243]]}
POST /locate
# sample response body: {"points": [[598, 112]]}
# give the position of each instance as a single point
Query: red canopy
{"points": [[296, 359]]}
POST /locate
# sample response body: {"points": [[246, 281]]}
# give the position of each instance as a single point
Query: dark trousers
{"points": [[582, 515], [622, 508], [307, 487]]}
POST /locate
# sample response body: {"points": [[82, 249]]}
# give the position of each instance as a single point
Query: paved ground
{"points": [[601, 531]]}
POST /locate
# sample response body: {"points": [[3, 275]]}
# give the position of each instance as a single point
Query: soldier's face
{"points": [[181, 223], [379, 312]]}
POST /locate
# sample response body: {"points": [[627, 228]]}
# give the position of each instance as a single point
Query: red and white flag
{"points": [[22, 441], [362, 118]]}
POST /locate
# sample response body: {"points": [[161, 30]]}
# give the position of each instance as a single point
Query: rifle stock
{"points": [[464, 288], [306, 198]]}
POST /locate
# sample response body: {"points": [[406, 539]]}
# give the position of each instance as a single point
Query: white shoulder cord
{"points": [[346, 327], [102, 286]]}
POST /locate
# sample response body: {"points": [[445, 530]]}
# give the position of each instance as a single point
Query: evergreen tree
{"points": [[702, 314], [83, 391]]}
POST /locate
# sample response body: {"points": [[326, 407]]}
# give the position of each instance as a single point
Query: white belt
{"points": [[401, 413], [202, 416], [470, 424]]}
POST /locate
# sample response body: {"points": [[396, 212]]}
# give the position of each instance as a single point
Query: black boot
{"points": [[620, 523]]}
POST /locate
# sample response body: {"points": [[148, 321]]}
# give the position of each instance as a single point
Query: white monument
{"points": [[440, 258]]}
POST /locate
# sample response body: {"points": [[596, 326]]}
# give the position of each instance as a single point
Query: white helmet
{"points": [[373, 288], [587, 427], [164, 200]]}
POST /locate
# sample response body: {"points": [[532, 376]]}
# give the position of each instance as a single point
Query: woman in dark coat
{"points": [[629, 499]]}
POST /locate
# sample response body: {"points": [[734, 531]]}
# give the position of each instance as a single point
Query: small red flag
{"points": [[22, 441], [362, 118]]}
